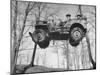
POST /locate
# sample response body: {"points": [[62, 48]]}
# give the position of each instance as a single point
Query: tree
{"points": [[87, 34], [13, 51], [17, 38]]}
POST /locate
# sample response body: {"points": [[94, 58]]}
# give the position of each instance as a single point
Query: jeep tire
{"points": [[76, 34], [41, 37]]}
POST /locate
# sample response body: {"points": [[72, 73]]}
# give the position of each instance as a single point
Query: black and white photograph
{"points": [[51, 37]]}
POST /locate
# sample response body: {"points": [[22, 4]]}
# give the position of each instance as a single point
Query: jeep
{"points": [[72, 30]]}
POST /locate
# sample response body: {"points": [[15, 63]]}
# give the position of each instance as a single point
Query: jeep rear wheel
{"points": [[76, 34]]}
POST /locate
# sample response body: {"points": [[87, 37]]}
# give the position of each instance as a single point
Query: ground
{"points": [[37, 69]]}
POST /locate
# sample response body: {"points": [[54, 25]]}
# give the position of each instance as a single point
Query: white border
{"points": [[5, 36]]}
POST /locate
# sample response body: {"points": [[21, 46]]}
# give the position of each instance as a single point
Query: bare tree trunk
{"points": [[17, 47], [57, 53], [89, 52], [58, 56], [13, 51], [19, 40], [75, 57], [67, 56], [14, 27], [82, 56]]}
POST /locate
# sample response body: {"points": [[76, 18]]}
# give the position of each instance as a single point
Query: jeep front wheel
{"points": [[41, 37]]}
